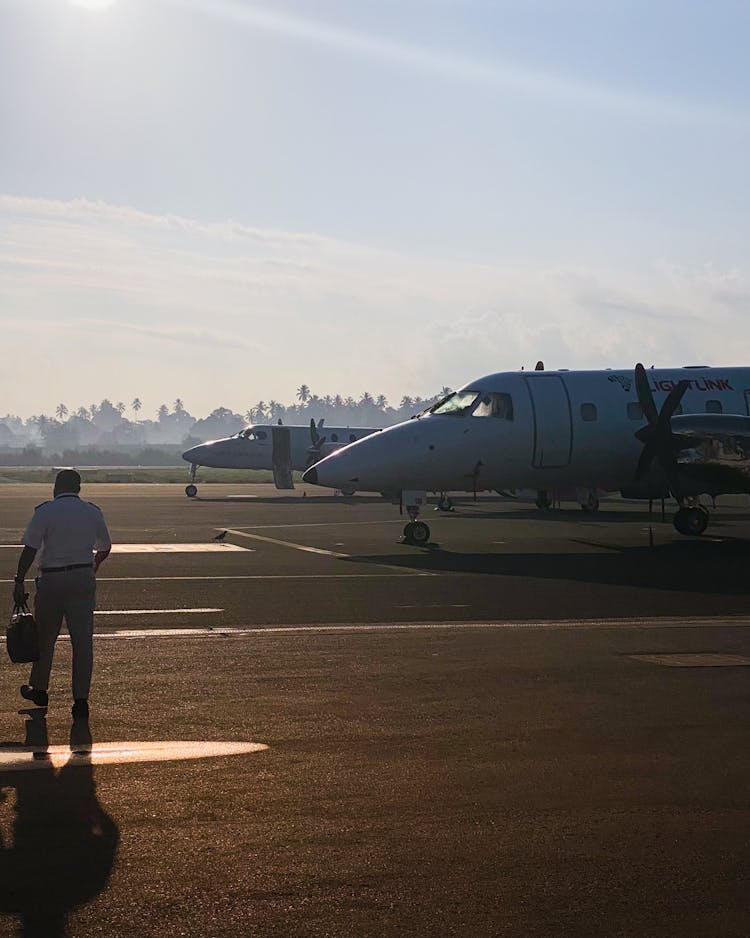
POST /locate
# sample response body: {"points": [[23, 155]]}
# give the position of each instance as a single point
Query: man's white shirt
{"points": [[67, 530]]}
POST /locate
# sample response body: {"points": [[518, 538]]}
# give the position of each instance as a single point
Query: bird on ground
{"points": [[221, 536]]}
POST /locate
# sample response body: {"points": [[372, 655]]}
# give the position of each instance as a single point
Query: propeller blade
{"points": [[314, 436], [672, 403], [645, 460], [645, 397]]}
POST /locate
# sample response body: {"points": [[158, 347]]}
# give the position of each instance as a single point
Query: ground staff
{"points": [[66, 531]]}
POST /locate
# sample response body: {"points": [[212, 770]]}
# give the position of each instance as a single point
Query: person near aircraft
{"points": [[70, 538]]}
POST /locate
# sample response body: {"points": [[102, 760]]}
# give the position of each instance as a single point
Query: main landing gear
{"points": [[691, 520], [191, 490], [415, 532]]}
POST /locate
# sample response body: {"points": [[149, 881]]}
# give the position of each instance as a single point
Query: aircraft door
{"points": [[553, 424], [282, 457]]}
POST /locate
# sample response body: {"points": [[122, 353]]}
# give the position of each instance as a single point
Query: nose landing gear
{"points": [[191, 490], [415, 532]]}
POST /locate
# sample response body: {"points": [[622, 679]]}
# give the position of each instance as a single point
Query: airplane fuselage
{"points": [[540, 430]]}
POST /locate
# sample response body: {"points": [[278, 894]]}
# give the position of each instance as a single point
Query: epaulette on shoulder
{"points": [[41, 504]]}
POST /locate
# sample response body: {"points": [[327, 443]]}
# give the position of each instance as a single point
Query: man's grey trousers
{"points": [[69, 595]]}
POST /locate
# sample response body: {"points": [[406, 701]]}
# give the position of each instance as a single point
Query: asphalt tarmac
{"points": [[484, 737]]}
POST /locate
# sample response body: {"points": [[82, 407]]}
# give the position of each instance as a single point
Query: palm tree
{"points": [[82, 413], [381, 402], [120, 408], [250, 415], [406, 403], [136, 405], [179, 407], [260, 410], [93, 410], [163, 412], [303, 393], [62, 411], [366, 400]]}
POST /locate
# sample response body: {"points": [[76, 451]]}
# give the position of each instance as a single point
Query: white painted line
{"points": [[151, 612], [208, 548], [317, 524], [263, 576], [690, 622], [29, 758], [309, 550], [302, 547], [694, 660]]}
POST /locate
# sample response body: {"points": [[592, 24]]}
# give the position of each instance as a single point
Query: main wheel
{"points": [[191, 490], [592, 505], [691, 521], [416, 532], [543, 501]]}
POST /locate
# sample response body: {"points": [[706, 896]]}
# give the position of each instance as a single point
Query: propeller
{"points": [[318, 441], [656, 436]]}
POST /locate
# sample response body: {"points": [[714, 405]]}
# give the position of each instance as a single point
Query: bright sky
{"points": [[222, 199]]}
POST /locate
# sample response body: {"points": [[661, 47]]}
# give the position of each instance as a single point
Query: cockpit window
{"points": [[494, 404], [251, 434], [457, 404]]}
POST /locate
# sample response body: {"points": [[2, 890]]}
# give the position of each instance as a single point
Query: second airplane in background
{"points": [[280, 449]]}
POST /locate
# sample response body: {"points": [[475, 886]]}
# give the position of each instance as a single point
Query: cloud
{"points": [[506, 77], [134, 303]]}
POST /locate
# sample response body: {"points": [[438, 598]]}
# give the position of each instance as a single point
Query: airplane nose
{"points": [[192, 455], [310, 476]]}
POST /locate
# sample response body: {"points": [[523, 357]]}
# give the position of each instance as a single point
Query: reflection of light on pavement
{"points": [[23, 758]]}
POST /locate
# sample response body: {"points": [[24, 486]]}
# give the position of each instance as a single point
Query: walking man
{"points": [[67, 531]]}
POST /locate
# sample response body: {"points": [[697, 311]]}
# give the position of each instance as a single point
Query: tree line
{"points": [[120, 425]]}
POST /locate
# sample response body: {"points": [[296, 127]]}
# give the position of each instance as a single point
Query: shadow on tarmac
{"points": [[290, 499], [700, 566], [63, 842]]}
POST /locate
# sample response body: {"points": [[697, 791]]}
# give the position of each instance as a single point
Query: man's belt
{"points": [[70, 566]]}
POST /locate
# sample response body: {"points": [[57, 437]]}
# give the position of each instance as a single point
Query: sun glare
{"points": [[92, 4]]}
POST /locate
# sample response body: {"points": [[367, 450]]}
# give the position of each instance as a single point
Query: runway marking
{"points": [[689, 622], [316, 524], [693, 660], [262, 576], [207, 548], [150, 612], [308, 550], [28, 758], [302, 547]]}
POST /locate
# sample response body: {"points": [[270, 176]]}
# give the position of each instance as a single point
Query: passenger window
{"points": [[635, 411], [495, 405], [334, 437], [260, 434], [714, 407], [588, 412], [352, 438]]}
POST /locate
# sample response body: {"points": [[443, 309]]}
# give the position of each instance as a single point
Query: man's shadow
{"points": [[64, 843]]}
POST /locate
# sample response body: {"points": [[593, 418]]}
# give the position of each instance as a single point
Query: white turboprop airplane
{"points": [[543, 430], [271, 446]]}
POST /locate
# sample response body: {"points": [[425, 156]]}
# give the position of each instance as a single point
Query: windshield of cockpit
{"points": [[477, 403]]}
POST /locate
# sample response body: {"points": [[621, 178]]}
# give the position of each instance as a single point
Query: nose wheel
{"points": [[191, 489]]}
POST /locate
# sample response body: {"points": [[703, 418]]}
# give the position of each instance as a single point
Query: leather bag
{"points": [[22, 637]]}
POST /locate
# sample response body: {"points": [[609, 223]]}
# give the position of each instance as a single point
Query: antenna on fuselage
{"points": [[539, 366]]}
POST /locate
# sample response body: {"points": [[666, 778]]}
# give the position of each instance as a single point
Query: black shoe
{"points": [[39, 697], [80, 709]]}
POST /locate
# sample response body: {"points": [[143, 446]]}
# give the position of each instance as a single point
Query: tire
{"points": [[191, 490], [416, 532], [591, 506], [543, 502], [691, 522]]}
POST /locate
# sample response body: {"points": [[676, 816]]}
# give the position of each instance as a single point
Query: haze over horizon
{"points": [[220, 200]]}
